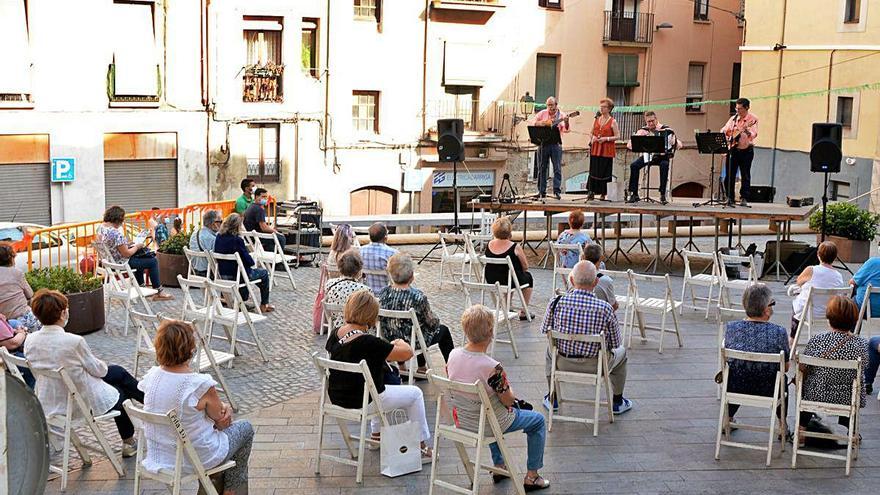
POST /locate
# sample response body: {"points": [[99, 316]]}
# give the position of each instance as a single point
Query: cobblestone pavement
{"points": [[665, 444]]}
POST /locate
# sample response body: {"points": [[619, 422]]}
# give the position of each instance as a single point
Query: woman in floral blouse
{"points": [[337, 290]]}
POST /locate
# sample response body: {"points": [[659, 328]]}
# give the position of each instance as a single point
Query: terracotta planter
{"points": [[848, 250], [170, 266], [86, 312]]}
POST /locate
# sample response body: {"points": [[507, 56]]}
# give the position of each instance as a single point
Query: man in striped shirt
{"points": [[579, 311]]}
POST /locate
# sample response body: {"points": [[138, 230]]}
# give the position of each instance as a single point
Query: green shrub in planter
{"points": [[176, 243], [846, 220], [62, 279]]}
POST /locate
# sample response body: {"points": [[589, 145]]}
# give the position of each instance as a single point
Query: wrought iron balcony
{"points": [[629, 123], [624, 28]]}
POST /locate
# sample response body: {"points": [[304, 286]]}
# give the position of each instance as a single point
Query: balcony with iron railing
{"points": [[482, 120], [628, 123], [624, 28]]}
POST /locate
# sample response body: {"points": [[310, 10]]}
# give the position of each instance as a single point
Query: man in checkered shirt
{"points": [[376, 255], [579, 311]]}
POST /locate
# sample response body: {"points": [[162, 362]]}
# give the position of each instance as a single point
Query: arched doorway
{"points": [[373, 200], [688, 190]]}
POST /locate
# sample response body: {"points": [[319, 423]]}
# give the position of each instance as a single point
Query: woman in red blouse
{"points": [[605, 134]]}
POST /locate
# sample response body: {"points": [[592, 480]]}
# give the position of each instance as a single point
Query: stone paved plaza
{"points": [[664, 445]]}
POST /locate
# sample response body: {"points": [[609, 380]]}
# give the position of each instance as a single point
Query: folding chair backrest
{"points": [[495, 291], [730, 314], [865, 314], [555, 336], [619, 275], [191, 309], [406, 315], [435, 360], [326, 365], [446, 239], [689, 256], [641, 278], [512, 281], [557, 250], [840, 364], [192, 254], [120, 277], [818, 297], [74, 396], [472, 254], [382, 274], [465, 396], [486, 221], [266, 236], [730, 259], [12, 363], [240, 272], [756, 357]]}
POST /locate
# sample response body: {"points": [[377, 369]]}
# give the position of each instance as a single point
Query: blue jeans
{"points": [[548, 152], [532, 423], [873, 360], [29, 379], [146, 263]]}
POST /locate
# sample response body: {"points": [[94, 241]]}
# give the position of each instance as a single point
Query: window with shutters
{"points": [[310, 46], [735, 77], [550, 4], [367, 10], [263, 163], [845, 111], [264, 70], [365, 112], [546, 77], [15, 66], [133, 79], [461, 102], [622, 77], [852, 11], [701, 10], [695, 88]]}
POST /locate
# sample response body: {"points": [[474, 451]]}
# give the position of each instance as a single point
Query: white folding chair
{"points": [[816, 298], [691, 280], [270, 259], [191, 255], [773, 403], [241, 279], [164, 424], [416, 338], [486, 221], [121, 286], [727, 284], [513, 285], [77, 413], [330, 313], [625, 301], [724, 316], [473, 247], [865, 316], [850, 410], [558, 250], [659, 306], [452, 262], [363, 415], [470, 396], [231, 319], [580, 379], [381, 274], [498, 308], [11, 363]]}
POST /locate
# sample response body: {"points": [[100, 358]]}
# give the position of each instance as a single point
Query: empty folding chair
{"points": [[474, 245], [184, 449], [473, 397], [850, 411], [866, 318], [497, 303], [727, 284], [691, 280], [513, 286], [241, 280], [11, 364], [486, 221], [773, 403], [269, 259], [76, 414], [453, 263], [580, 380], [416, 339], [725, 315], [558, 251], [658, 306], [813, 315], [121, 286], [371, 406], [231, 318]]}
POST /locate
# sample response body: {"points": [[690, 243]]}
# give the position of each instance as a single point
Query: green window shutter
{"points": [[623, 70], [545, 77]]}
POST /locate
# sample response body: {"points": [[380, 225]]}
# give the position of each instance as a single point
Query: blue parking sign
{"points": [[63, 169]]}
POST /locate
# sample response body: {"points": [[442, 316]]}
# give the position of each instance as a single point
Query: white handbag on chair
{"points": [[400, 451]]}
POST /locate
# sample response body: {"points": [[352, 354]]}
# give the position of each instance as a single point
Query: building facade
{"points": [[814, 57]]}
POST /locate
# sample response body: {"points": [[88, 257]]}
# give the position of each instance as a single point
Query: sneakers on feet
{"points": [[546, 403], [869, 388], [663, 199], [129, 449], [633, 198], [624, 406]]}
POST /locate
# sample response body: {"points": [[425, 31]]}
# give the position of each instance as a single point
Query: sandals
{"points": [[536, 483], [267, 308], [162, 296]]}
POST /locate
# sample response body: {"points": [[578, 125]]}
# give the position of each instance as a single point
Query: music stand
{"points": [[653, 145], [540, 135], [711, 143]]}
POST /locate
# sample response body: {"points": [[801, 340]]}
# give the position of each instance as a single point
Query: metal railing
{"points": [[628, 27], [628, 123], [495, 118]]}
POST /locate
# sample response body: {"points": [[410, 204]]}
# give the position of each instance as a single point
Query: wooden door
{"points": [[373, 201]]}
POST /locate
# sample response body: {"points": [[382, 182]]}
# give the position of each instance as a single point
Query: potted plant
{"points": [[850, 228], [84, 291], [172, 261]]}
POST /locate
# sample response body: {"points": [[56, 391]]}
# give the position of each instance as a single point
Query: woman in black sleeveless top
{"points": [[502, 247]]}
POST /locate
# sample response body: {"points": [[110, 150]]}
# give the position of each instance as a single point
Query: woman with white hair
{"points": [[401, 296], [503, 247], [471, 363]]}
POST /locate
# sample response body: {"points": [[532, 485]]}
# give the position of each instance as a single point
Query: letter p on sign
{"points": [[63, 169]]}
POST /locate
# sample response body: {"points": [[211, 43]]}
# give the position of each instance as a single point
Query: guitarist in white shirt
{"points": [[741, 131]]}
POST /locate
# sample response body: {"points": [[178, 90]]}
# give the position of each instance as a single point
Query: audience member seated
{"points": [[868, 274], [337, 290], [401, 296], [573, 235], [15, 291], [12, 337], [207, 421], [502, 247], [203, 240], [580, 312], [352, 343], [754, 334], [375, 256], [247, 196], [229, 241], [829, 384], [162, 227], [343, 240], [255, 220], [104, 388], [605, 286], [469, 364], [821, 276], [109, 234]]}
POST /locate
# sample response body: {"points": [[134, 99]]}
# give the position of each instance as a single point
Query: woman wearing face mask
{"points": [[104, 387]]}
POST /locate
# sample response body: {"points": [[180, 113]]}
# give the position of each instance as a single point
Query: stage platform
{"points": [[779, 216]]}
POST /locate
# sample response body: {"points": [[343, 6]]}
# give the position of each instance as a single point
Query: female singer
{"points": [[605, 134]]}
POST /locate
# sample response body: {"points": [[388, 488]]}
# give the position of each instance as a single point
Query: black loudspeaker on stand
{"points": [[450, 148]]}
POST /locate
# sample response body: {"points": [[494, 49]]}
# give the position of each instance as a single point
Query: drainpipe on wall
{"points": [[296, 156], [327, 81], [828, 95], [780, 47], [425, 73], [203, 76]]}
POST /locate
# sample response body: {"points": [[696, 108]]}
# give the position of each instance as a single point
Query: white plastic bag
{"points": [[399, 448]]}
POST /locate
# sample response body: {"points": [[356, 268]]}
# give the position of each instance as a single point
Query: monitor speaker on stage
{"points": [[825, 154], [450, 142]]}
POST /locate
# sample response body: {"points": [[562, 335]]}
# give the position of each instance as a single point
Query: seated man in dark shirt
{"points": [[255, 220]]}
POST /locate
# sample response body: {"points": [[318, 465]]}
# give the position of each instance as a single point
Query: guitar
{"points": [[557, 120], [733, 139]]}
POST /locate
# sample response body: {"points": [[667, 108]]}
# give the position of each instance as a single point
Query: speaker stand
{"points": [[456, 229]]}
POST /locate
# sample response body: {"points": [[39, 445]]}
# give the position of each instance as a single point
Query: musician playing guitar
{"points": [[741, 131], [552, 116]]}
